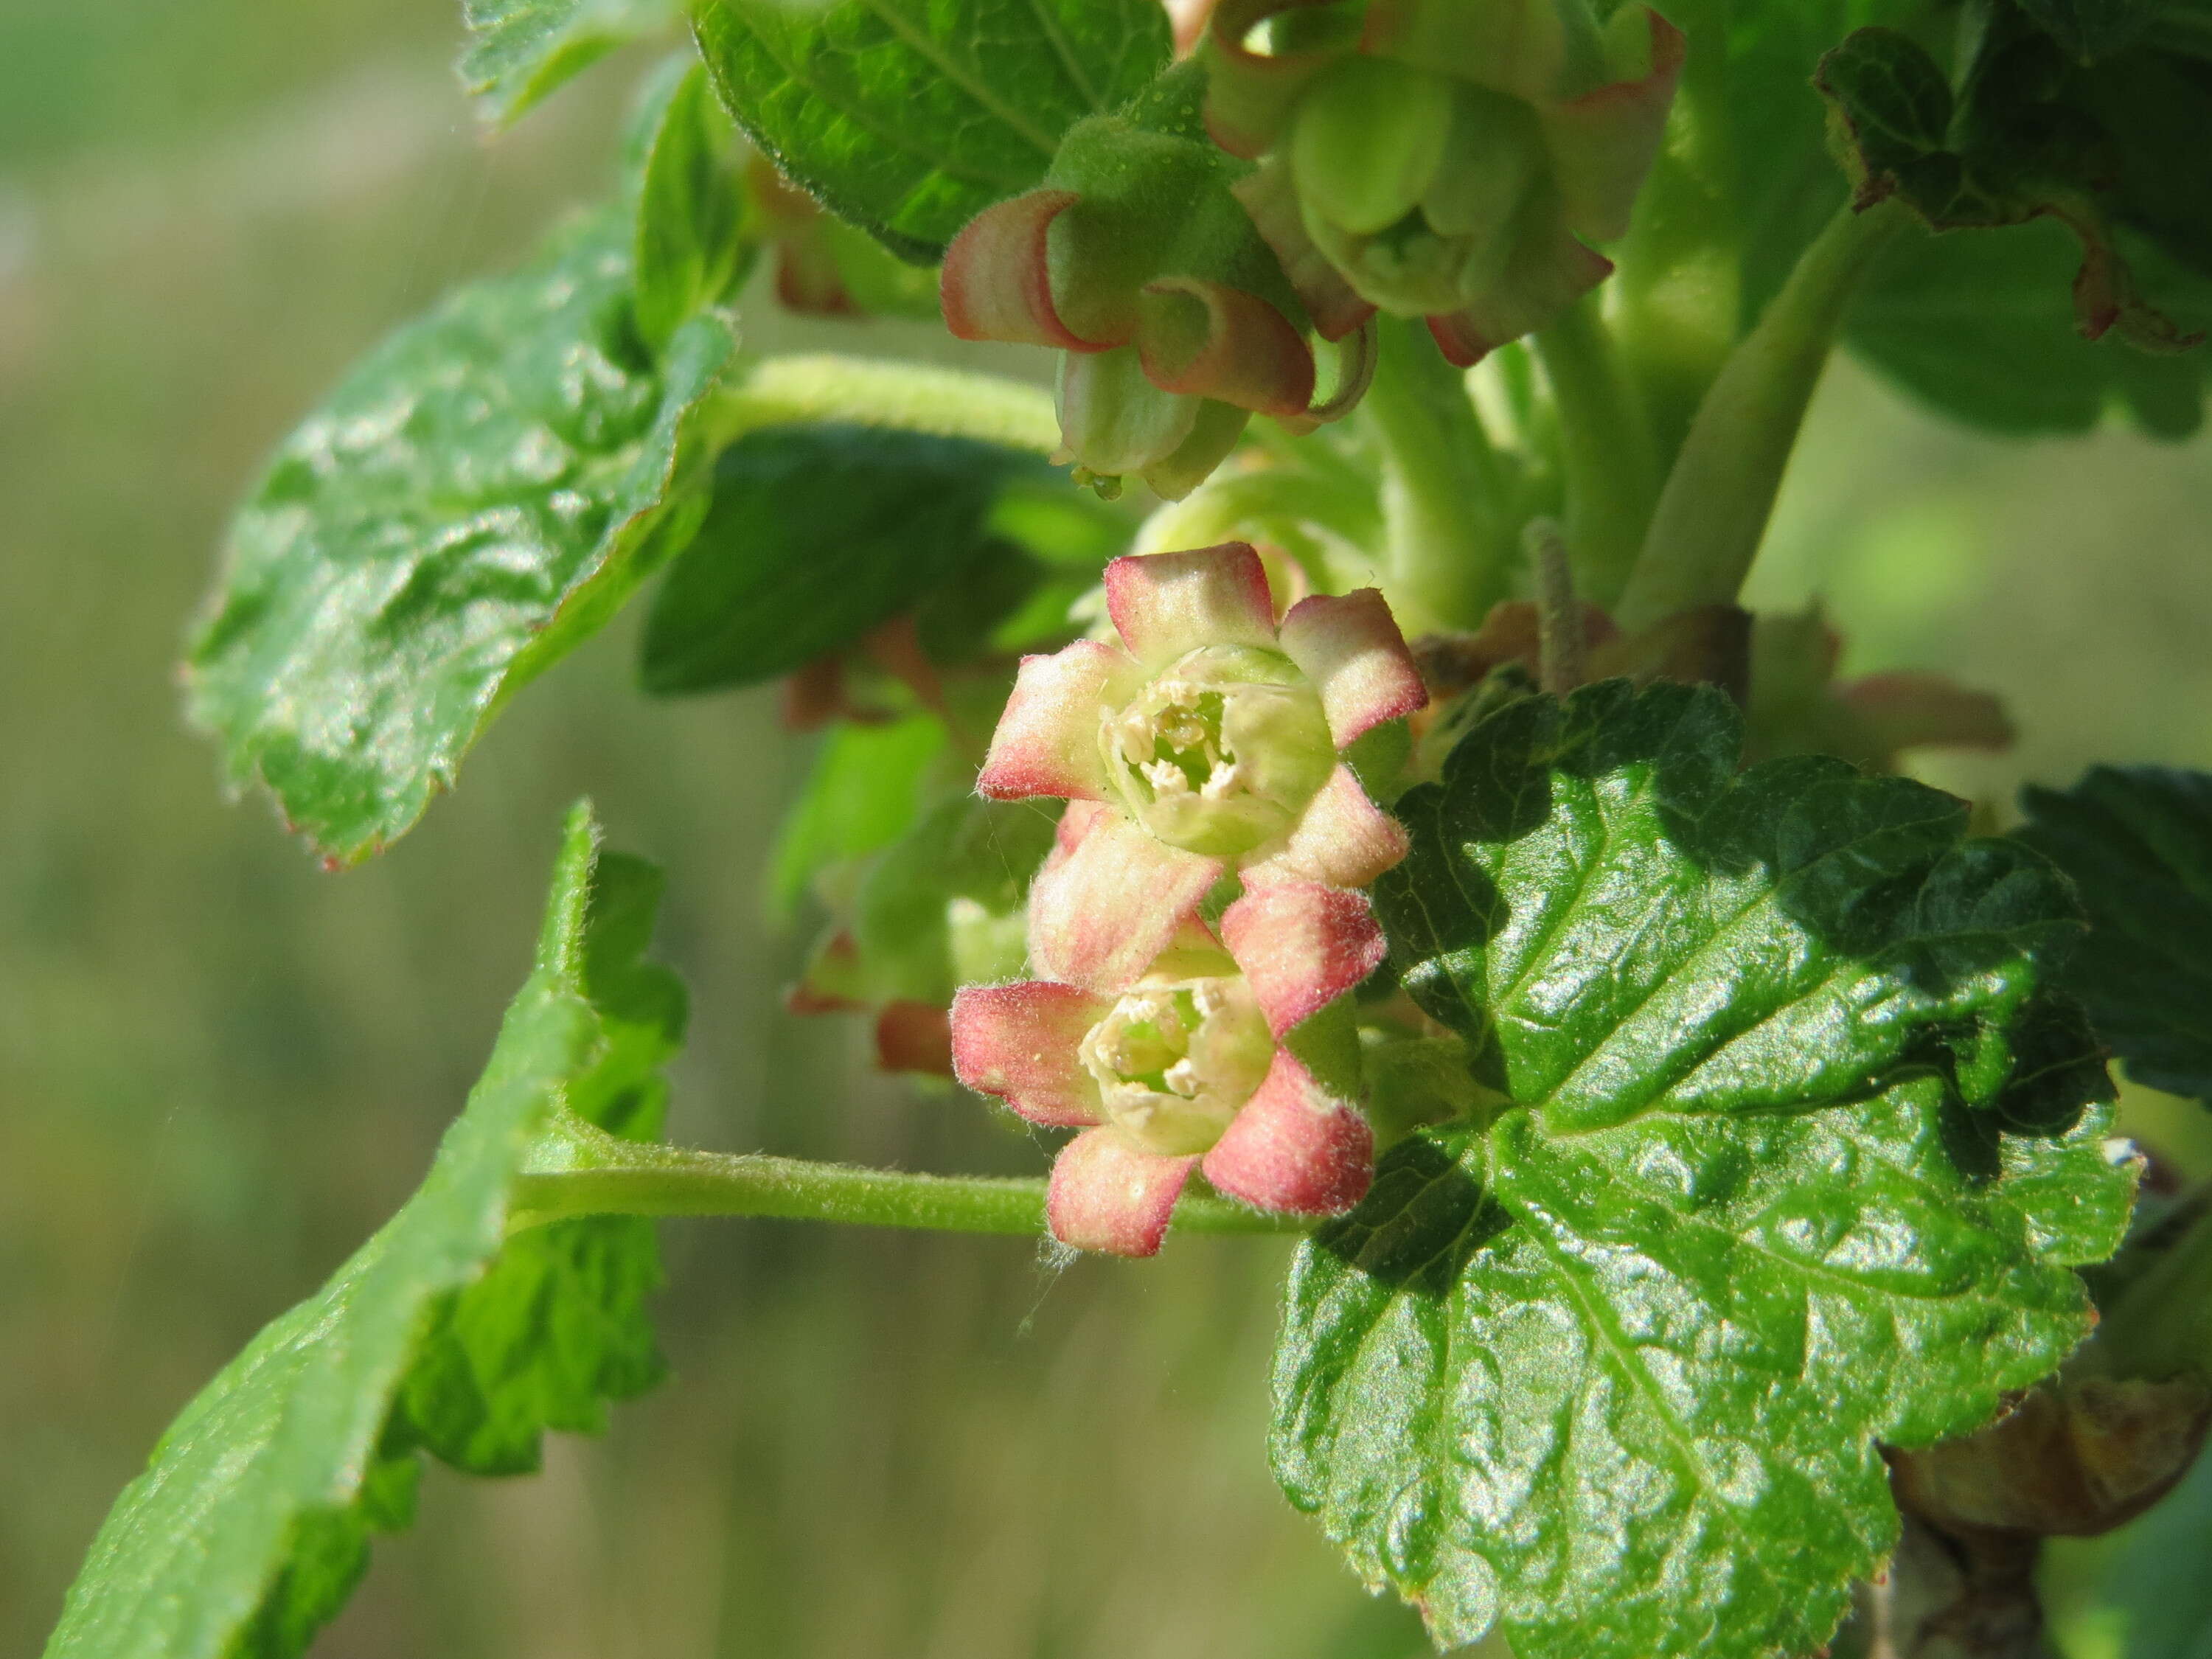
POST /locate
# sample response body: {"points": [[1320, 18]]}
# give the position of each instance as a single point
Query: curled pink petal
{"points": [[1352, 651], [1047, 742], [1205, 340], [1301, 946], [1166, 604], [1100, 911], [1106, 1195], [1020, 1042], [1550, 270], [914, 1037], [1295, 1147], [997, 281], [1345, 840], [1603, 143], [1271, 201]]}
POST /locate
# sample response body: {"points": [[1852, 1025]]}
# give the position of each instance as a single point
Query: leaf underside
{"points": [[477, 498], [252, 1522], [2137, 841], [1800, 1154], [908, 118]]}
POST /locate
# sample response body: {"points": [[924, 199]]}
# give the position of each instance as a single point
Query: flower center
{"points": [[1176, 1060], [1222, 751]]}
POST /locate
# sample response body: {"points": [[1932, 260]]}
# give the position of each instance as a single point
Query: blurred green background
{"points": [[219, 1068]]}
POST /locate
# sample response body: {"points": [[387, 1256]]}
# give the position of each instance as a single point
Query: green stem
{"points": [[577, 1170], [1713, 512], [905, 397], [1441, 486], [1611, 477]]}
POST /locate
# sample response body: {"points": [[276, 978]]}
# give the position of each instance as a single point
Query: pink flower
{"points": [[1208, 741], [1180, 1064]]}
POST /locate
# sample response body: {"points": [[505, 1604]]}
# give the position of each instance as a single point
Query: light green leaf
{"points": [[863, 794], [522, 50], [476, 499], [1606, 1367], [2138, 842], [689, 253], [908, 118], [252, 1524]]}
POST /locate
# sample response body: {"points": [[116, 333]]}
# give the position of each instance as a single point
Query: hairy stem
{"points": [[576, 1169], [1611, 477], [1713, 512], [905, 397], [1440, 486]]}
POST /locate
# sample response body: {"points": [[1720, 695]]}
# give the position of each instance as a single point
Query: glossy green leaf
{"points": [[252, 1522], [477, 498], [2138, 842], [817, 534], [522, 50], [688, 253], [908, 118], [1606, 1366]]}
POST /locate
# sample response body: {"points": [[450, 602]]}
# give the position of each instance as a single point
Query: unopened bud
{"points": [[1368, 141]]}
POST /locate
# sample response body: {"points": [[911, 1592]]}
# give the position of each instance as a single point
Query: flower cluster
{"points": [[1449, 159], [1204, 745], [1135, 259]]}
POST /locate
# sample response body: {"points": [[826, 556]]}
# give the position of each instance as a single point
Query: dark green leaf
{"points": [[477, 498], [2138, 842], [1607, 1367], [520, 49], [1983, 328], [252, 1522], [2090, 29], [1895, 107], [688, 253], [908, 118], [816, 535]]}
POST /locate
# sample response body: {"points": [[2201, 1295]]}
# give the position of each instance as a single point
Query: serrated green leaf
{"points": [[908, 118], [252, 1523], [1607, 1367], [2138, 842], [689, 252], [815, 534], [522, 50], [476, 499]]}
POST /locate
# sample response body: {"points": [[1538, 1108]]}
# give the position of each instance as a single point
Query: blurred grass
{"points": [[219, 1068]]}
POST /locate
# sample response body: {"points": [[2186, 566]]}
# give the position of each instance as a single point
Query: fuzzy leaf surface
{"points": [[2138, 842], [1606, 1366], [252, 1523], [908, 118], [817, 534], [522, 50], [476, 499]]}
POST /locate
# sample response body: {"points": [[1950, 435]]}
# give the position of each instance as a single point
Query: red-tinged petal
{"points": [[1356, 357], [1165, 604], [1106, 1195], [835, 981], [1912, 710], [1205, 339], [997, 281], [1020, 1042], [1188, 19], [1250, 95], [1461, 342], [1099, 914], [1549, 270], [1302, 946], [1352, 651], [1295, 1147], [914, 1037], [1603, 143], [1047, 742], [1271, 201], [1345, 840]]}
